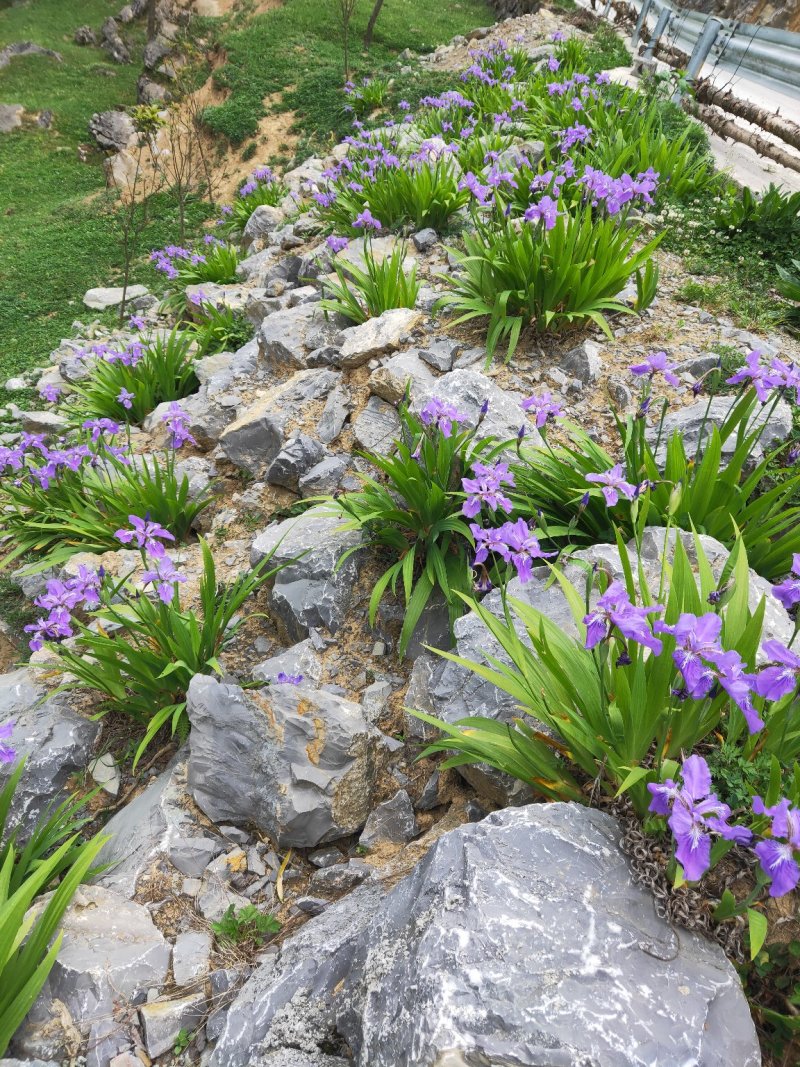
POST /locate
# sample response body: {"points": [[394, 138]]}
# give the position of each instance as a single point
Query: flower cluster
{"points": [[614, 611], [166, 260], [148, 537], [442, 415], [60, 599], [656, 364], [765, 378], [544, 407], [515, 542], [486, 488], [177, 421]]}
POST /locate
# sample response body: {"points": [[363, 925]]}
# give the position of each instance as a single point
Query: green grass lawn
{"points": [[298, 48], [55, 236]]}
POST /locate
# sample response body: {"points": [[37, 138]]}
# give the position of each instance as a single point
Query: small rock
{"points": [[192, 855], [106, 773], [341, 877], [377, 427], [430, 793], [583, 362], [375, 336], [163, 1020], [102, 298], [375, 699], [425, 240], [311, 905], [85, 35], [393, 821], [296, 457], [325, 857], [190, 956]]}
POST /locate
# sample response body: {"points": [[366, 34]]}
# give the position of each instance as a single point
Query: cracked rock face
{"points": [[305, 760], [112, 953], [311, 591], [520, 940], [56, 741]]}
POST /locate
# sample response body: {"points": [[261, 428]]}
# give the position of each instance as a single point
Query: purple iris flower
{"points": [[544, 407], [485, 488], [136, 322], [694, 814], [763, 379], [366, 221], [553, 64], [614, 609], [441, 414], [781, 675], [777, 857], [101, 426], [288, 679], [656, 363], [613, 484], [336, 244], [546, 211], [696, 638], [489, 540], [788, 592], [164, 576], [523, 547], [7, 753], [50, 393], [126, 398], [147, 535], [787, 376], [176, 421], [55, 627]]}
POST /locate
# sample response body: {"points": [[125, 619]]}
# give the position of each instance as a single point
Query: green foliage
{"points": [[164, 372], [142, 653], [269, 190], [415, 516], [54, 852], [772, 214], [363, 294], [370, 95], [521, 275], [81, 510], [245, 926], [218, 328], [772, 985], [723, 496], [420, 196], [609, 710], [736, 779], [789, 287]]}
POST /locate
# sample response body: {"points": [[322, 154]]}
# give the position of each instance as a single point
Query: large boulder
{"points": [[519, 940], [305, 760], [55, 741], [111, 955], [312, 590]]}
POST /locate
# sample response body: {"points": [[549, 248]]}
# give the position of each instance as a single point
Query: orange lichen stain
{"points": [[315, 746]]}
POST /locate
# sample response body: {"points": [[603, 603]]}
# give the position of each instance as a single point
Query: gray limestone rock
{"points": [[700, 417], [377, 427], [312, 591], [521, 939], [163, 1020], [425, 240], [190, 956], [302, 659], [393, 822], [263, 221], [298, 455], [146, 828], [110, 297], [324, 478], [396, 374], [56, 742], [468, 390], [111, 953], [583, 362], [305, 759], [375, 337], [10, 117], [286, 337], [335, 414]]}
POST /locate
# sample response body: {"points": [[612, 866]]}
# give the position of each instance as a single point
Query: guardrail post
{"points": [[699, 55], [646, 5], [661, 27]]}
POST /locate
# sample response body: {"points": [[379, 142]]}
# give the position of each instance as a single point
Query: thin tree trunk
{"points": [[376, 10], [728, 128], [151, 19]]}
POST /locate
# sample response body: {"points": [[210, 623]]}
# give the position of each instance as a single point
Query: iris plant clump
{"points": [[262, 187]]}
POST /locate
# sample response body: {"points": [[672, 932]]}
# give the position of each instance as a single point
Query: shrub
{"points": [[217, 263], [774, 214], [28, 949], [368, 96], [417, 516], [56, 502], [568, 486], [141, 653], [363, 294], [531, 275], [128, 385]]}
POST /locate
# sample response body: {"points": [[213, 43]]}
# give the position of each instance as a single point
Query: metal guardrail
{"points": [[762, 53]]}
